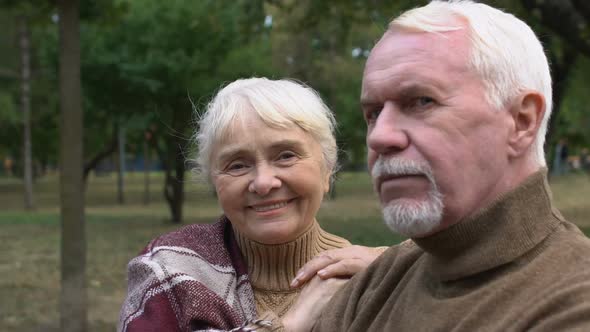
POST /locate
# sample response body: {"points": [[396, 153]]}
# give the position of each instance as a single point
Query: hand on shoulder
{"points": [[342, 262]]}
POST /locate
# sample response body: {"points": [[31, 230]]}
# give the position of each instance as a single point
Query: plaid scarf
{"points": [[193, 279]]}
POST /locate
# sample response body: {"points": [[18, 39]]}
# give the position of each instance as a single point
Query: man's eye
{"points": [[422, 101]]}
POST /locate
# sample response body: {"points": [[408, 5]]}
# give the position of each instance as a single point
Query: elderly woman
{"points": [[268, 149]]}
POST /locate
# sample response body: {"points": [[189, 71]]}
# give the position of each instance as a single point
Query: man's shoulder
{"points": [[555, 292], [392, 264], [568, 235], [568, 247], [368, 290], [404, 252], [559, 263]]}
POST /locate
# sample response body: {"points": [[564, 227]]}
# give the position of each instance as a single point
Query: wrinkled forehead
{"points": [[402, 56], [452, 47]]}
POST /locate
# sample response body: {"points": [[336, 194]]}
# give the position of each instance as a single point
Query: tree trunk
{"points": [[73, 297], [146, 173], [108, 150], [25, 53], [174, 184], [172, 160], [121, 166]]}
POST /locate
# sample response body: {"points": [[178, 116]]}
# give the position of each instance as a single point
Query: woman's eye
{"points": [[372, 115], [236, 168], [286, 155]]}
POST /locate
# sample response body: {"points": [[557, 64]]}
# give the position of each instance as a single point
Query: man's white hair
{"points": [[505, 52], [279, 103]]}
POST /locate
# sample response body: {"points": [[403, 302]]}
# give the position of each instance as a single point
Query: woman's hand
{"points": [[343, 262], [310, 303]]}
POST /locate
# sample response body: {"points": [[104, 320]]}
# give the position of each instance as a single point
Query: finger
{"points": [[333, 256], [312, 267], [343, 268]]}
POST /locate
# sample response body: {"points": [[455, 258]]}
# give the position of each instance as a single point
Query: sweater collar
{"points": [[509, 227], [272, 267]]}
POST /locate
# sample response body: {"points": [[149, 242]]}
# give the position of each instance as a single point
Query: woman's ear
{"points": [[327, 182], [527, 113]]}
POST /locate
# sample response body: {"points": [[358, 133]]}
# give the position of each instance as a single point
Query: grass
{"points": [[29, 264]]}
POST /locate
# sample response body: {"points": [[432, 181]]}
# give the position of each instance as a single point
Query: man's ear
{"points": [[527, 112]]}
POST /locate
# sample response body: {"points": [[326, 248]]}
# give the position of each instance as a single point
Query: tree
{"points": [[25, 49], [39, 100], [574, 119], [569, 20], [73, 299], [25, 12], [152, 77], [98, 122]]}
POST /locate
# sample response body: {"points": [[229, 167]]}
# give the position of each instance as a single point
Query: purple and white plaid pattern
{"points": [[193, 279]]}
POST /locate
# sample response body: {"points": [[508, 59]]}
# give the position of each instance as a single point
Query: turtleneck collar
{"points": [[272, 267], [513, 224]]}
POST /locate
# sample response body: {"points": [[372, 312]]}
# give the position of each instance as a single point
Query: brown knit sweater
{"points": [[272, 267], [515, 266]]}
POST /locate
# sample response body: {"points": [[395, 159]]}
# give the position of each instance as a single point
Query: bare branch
{"points": [[107, 151]]}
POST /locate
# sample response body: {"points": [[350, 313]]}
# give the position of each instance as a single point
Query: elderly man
{"points": [[456, 96]]}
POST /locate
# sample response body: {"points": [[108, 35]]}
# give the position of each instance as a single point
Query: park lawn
{"points": [[29, 265]]}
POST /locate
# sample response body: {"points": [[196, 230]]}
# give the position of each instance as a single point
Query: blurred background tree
{"points": [[149, 67]]}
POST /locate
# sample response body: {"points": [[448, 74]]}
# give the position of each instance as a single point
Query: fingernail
{"points": [[322, 273], [294, 283], [299, 275]]}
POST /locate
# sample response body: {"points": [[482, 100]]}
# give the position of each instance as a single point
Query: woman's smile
{"points": [[271, 207]]}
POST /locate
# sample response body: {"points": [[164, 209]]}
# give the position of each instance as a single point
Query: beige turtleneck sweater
{"points": [[516, 265], [272, 267]]}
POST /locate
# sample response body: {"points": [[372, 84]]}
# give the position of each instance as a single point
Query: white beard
{"points": [[410, 217]]}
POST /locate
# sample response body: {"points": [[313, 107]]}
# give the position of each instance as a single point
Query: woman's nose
{"points": [[264, 181]]}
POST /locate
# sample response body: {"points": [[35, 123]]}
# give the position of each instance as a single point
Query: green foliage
{"points": [[574, 121], [145, 67], [144, 61], [8, 113], [9, 124], [325, 44]]}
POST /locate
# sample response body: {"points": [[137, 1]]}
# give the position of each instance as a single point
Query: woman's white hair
{"points": [[279, 103], [505, 52]]}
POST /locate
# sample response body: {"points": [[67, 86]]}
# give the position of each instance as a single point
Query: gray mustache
{"points": [[395, 166]]}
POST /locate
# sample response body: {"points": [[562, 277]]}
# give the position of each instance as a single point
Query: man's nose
{"points": [[264, 181], [389, 132]]}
